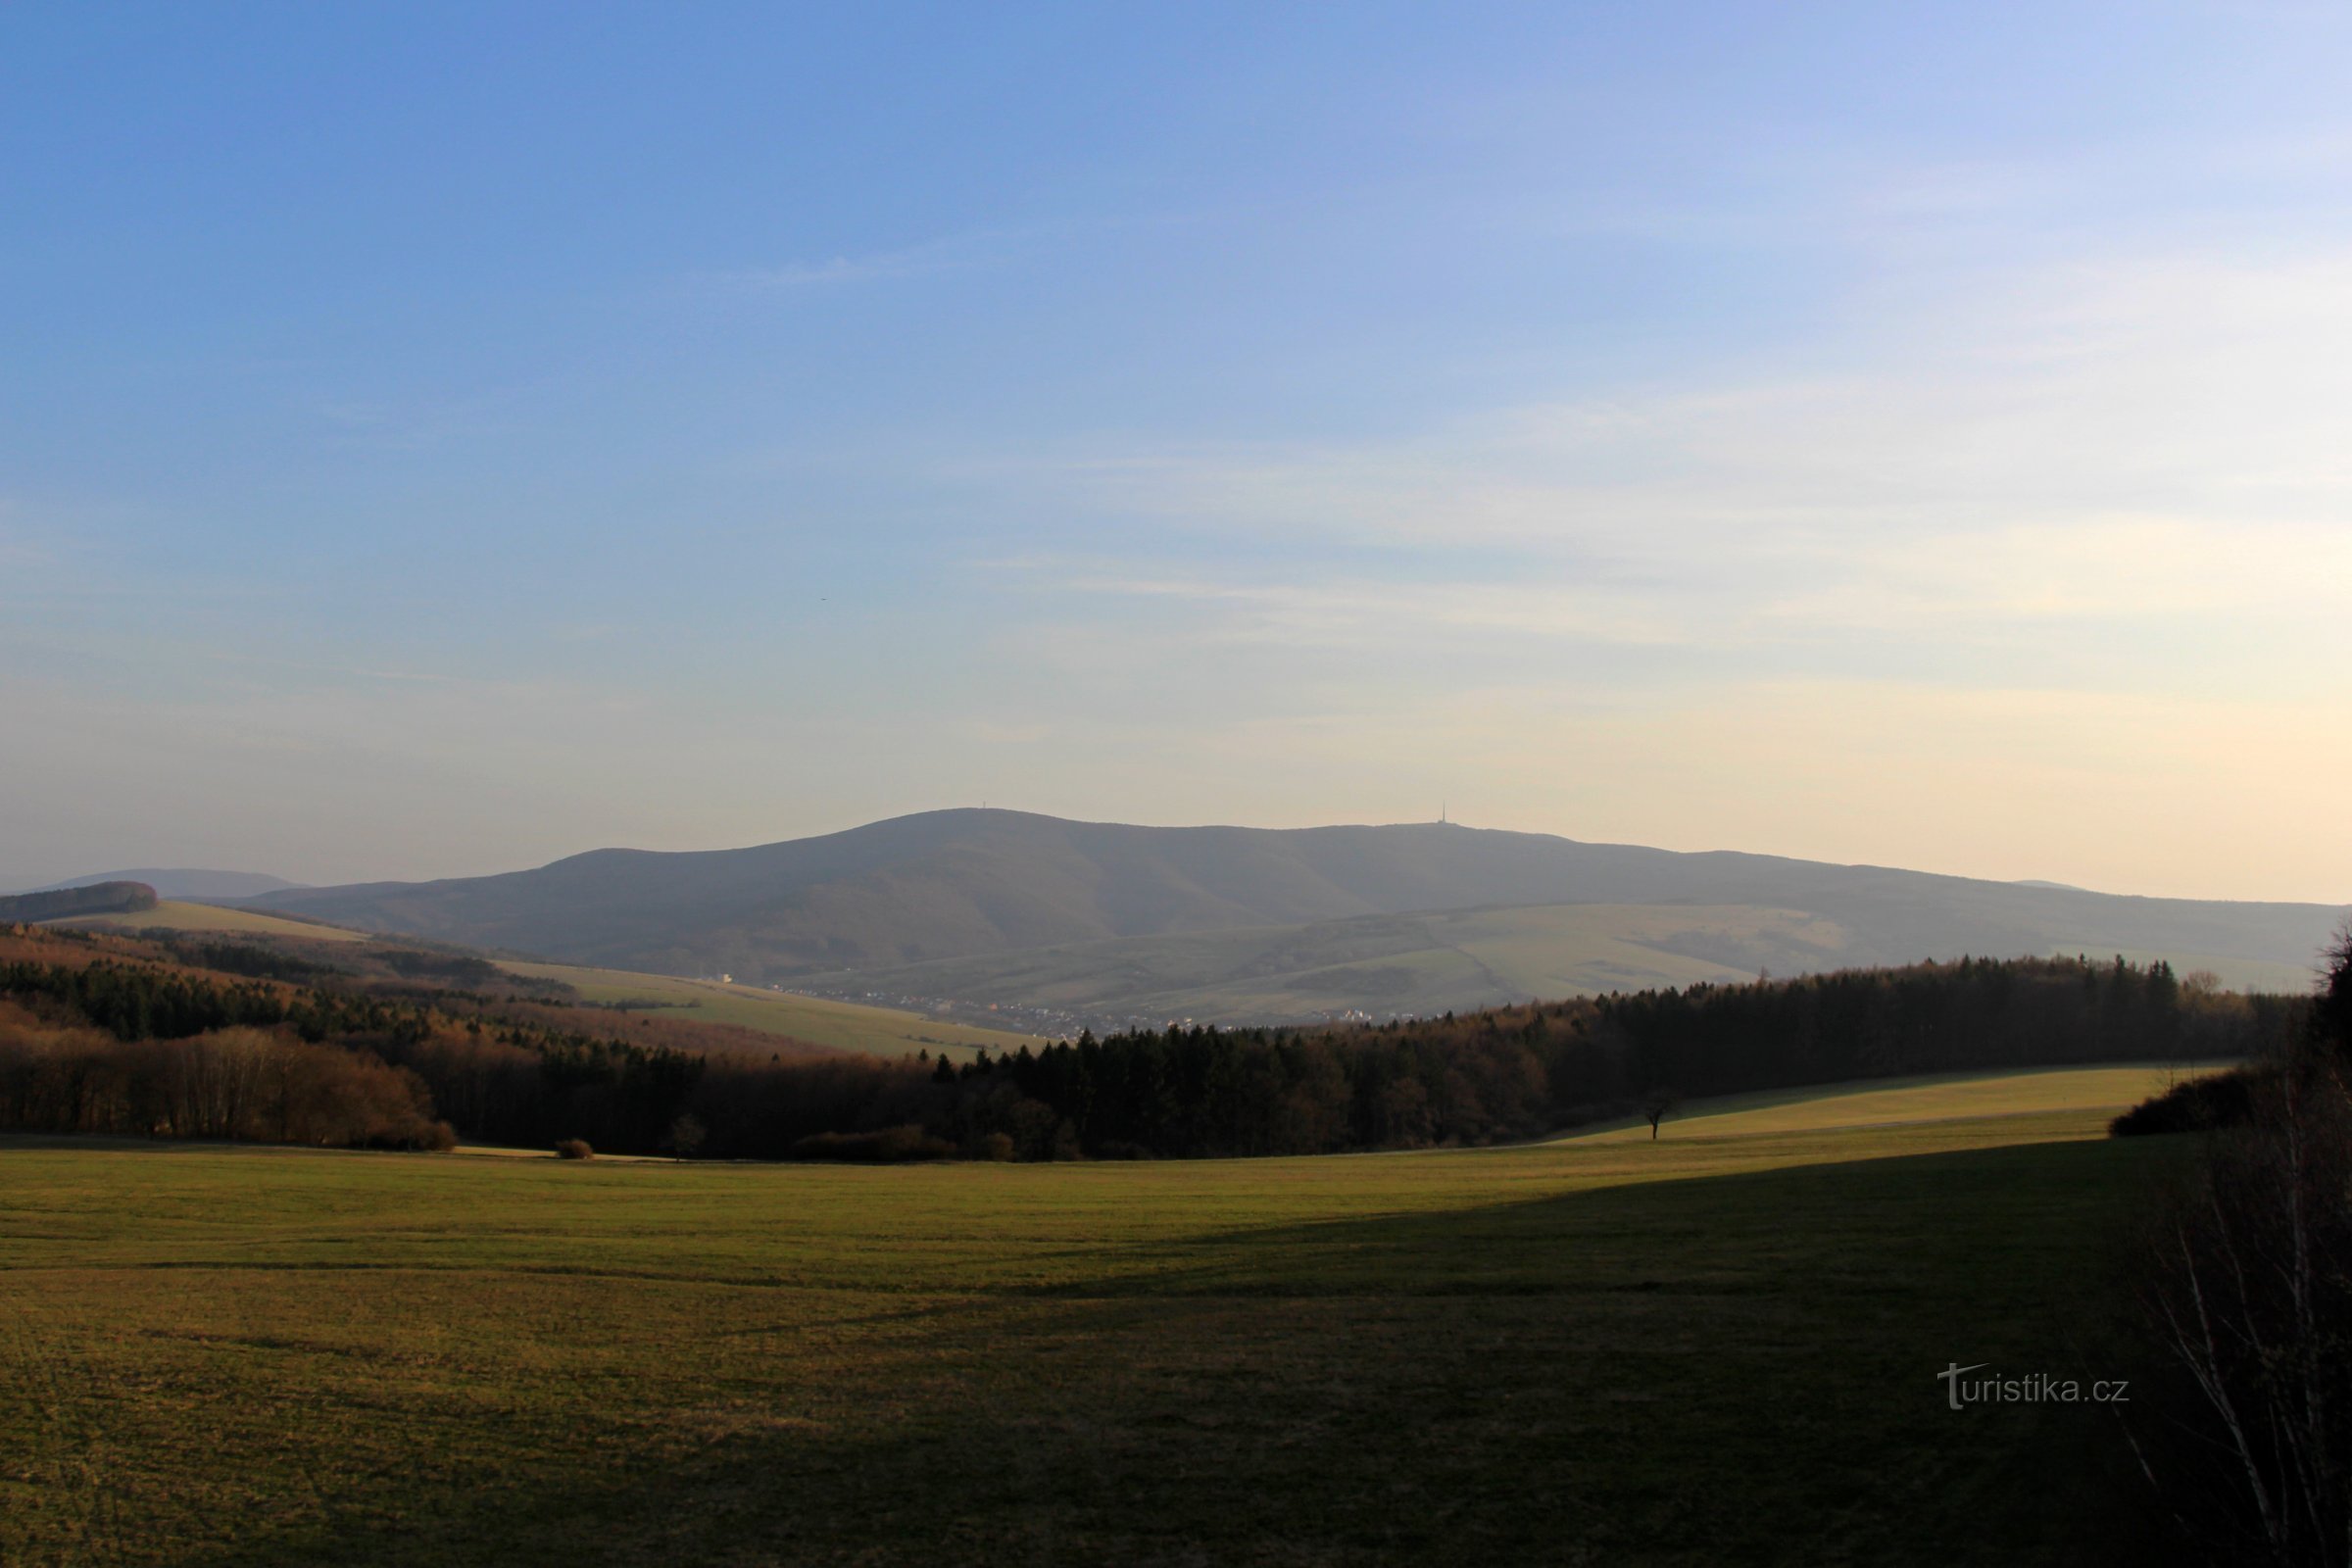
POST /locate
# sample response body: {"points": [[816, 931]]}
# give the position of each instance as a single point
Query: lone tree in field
{"points": [[686, 1134], [1657, 1106]]}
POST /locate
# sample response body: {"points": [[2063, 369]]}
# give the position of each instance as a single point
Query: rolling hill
{"points": [[853, 1027], [1380, 966], [210, 919], [96, 898], [838, 1025], [1420, 965], [895, 898], [172, 883]]}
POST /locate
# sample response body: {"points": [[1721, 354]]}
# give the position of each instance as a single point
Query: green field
{"points": [[843, 1025], [172, 915], [1709, 1349], [2026, 1092]]}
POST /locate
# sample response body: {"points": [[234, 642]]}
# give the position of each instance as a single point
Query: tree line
{"points": [[112, 1045], [64, 904], [521, 1072], [1514, 1072]]}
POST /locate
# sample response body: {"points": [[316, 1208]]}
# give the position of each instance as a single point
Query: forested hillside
{"points": [[207, 1039], [64, 904], [98, 1034]]}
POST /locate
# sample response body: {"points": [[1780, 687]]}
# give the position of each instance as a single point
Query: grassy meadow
{"points": [[843, 1025], [212, 919], [2025, 1092], [1714, 1348]]}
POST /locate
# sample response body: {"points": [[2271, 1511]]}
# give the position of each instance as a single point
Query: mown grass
{"points": [[843, 1025], [1709, 1350]]}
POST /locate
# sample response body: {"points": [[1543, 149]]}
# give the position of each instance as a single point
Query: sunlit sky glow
{"points": [[434, 440]]}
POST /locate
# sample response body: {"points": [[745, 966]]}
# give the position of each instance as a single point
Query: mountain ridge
{"points": [[975, 882]]}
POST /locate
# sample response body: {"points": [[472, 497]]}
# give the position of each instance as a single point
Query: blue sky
{"points": [[434, 440]]}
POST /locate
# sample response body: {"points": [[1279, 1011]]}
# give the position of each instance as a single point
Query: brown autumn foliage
{"points": [[238, 1084]]}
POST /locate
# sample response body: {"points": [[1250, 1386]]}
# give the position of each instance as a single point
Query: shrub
{"points": [[575, 1148], [2199, 1105]]}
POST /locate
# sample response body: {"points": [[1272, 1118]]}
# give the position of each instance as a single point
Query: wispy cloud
{"points": [[2153, 443], [1349, 611]]}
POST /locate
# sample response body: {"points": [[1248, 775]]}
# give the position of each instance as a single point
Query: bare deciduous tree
{"points": [[1657, 1104]]}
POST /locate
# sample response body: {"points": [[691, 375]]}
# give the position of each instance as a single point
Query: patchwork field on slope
{"points": [[843, 1025], [1680, 1352], [1421, 965], [223, 919], [838, 1025]]}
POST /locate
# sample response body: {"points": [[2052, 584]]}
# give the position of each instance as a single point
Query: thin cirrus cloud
{"points": [[2091, 576], [2200, 390], [2143, 442]]}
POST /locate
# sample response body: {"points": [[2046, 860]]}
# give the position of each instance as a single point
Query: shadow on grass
{"points": [[1739, 1368]]}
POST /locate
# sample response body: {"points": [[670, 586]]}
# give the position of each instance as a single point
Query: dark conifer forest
{"points": [[103, 1035]]}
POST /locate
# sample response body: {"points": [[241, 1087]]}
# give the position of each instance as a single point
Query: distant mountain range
{"points": [[182, 884], [967, 902]]}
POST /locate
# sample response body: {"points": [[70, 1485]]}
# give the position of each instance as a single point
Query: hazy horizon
{"points": [[1715, 428]]}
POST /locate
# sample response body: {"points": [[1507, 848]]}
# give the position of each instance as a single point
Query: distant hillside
{"points": [[1379, 964], [187, 884], [103, 898], [982, 884], [841, 1025], [172, 914], [1423, 964]]}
